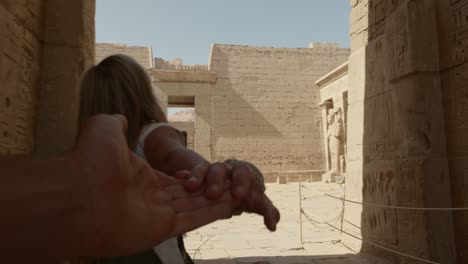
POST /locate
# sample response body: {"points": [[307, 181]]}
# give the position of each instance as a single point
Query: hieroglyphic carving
{"points": [[380, 187], [460, 97], [380, 150], [465, 179], [460, 30], [398, 45], [376, 18], [408, 195], [377, 72]]}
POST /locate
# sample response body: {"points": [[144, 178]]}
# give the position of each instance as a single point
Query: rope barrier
{"points": [[309, 217], [328, 223], [400, 207]]}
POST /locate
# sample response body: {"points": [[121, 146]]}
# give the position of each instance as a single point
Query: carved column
{"points": [[325, 106]]}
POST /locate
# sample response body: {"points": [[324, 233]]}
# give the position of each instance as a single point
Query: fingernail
{"points": [[193, 179]]}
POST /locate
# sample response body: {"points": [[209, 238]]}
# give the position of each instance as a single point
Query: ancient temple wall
{"points": [[396, 137], [44, 48], [20, 54], [452, 24], [265, 106], [143, 55]]}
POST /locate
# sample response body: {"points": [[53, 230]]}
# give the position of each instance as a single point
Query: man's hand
{"points": [[132, 207], [244, 185]]}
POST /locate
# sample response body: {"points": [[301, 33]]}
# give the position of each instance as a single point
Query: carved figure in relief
{"points": [[335, 136]]}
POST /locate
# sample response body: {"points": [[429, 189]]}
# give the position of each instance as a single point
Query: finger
{"points": [[197, 176], [242, 178], [182, 175], [217, 175], [123, 121], [260, 204], [272, 218], [179, 192], [271, 215], [188, 221], [196, 202]]}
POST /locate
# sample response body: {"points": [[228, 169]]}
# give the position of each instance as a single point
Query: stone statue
{"points": [[336, 138]]}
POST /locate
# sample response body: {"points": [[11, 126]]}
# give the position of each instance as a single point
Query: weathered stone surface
{"points": [[143, 55], [397, 140], [265, 105], [67, 51], [182, 76], [453, 55], [20, 53]]}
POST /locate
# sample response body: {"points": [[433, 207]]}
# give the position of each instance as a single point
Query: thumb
{"points": [[123, 122]]}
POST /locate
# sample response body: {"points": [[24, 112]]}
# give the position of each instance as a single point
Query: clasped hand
{"points": [[126, 206], [240, 180]]}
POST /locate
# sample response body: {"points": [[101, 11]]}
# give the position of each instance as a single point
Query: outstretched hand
{"points": [[132, 207], [242, 182]]}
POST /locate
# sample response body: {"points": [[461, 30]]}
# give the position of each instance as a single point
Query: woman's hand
{"points": [[244, 185]]}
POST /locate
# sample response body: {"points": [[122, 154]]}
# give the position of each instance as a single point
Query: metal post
{"points": [[300, 213]]}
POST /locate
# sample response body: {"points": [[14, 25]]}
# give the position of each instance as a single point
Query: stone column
{"points": [[396, 144], [325, 106], [68, 49], [453, 57]]}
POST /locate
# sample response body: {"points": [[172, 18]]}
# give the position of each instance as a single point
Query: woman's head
{"points": [[119, 85]]}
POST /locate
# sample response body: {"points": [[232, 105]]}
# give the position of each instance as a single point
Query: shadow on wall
{"points": [[234, 116]]}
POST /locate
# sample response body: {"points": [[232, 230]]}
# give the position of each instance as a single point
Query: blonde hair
{"points": [[119, 85]]}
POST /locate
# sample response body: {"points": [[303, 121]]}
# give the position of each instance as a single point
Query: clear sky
{"points": [[187, 28]]}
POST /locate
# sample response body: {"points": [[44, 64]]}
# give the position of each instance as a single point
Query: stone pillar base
{"points": [[332, 177]]}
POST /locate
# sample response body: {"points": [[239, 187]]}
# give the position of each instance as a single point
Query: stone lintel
{"points": [[335, 74], [183, 76]]}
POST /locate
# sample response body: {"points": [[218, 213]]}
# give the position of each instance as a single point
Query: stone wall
{"points": [[177, 64], [452, 24], [143, 55], [397, 135], [20, 53], [190, 84], [44, 48], [265, 105]]}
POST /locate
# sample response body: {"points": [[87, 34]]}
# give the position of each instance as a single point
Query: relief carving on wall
{"points": [[336, 137], [335, 141]]}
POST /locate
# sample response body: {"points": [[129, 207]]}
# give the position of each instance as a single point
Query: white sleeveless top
{"points": [[168, 251]]}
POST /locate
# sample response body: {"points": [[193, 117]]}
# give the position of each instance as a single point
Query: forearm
{"points": [[182, 159], [42, 203]]}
